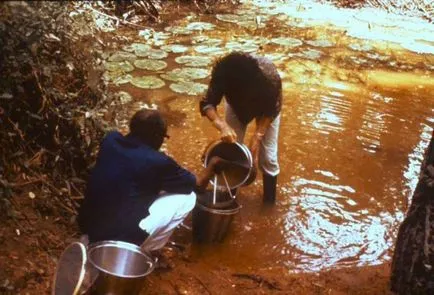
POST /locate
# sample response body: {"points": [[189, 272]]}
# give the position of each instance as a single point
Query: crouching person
{"points": [[135, 193]]}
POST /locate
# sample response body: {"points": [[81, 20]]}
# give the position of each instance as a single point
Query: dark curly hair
{"points": [[237, 69]]}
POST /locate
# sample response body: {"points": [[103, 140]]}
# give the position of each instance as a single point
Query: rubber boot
{"points": [[270, 184]]}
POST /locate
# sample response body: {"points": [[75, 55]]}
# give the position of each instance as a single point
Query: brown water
{"points": [[355, 122]]}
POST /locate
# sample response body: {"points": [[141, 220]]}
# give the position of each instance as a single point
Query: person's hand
{"points": [[218, 164], [228, 134]]}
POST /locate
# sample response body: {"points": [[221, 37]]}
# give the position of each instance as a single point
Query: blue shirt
{"points": [[127, 178]]}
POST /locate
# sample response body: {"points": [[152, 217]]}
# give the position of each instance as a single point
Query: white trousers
{"points": [[268, 159], [165, 214]]}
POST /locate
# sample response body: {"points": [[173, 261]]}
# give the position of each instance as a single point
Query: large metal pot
{"points": [[241, 169], [107, 267], [121, 267]]}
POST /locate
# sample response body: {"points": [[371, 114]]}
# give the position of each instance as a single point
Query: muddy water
{"points": [[357, 116]]}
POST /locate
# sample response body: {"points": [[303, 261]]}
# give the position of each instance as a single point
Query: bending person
{"points": [[253, 91], [135, 193]]}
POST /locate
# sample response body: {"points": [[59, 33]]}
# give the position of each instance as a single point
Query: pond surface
{"points": [[358, 112]]}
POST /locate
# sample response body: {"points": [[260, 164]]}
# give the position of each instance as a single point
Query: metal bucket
{"points": [[241, 172], [121, 268], [211, 225]]}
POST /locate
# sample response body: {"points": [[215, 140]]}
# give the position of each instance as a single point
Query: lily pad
{"points": [[120, 66], [234, 18], [147, 82], [179, 30], [210, 50], [310, 54], [175, 48], [124, 97], [360, 47], [117, 77], [187, 87], [200, 26], [205, 40], [320, 43], [194, 60], [185, 74], [136, 47], [244, 47], [152, 53], [287, 41], [276, 57], [150, 64], [122, 56]]}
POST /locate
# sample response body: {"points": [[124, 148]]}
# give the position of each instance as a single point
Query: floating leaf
{"points": [[310, 54], [136, 47], [179, 30], [194, 60], [205, 40], [200, 26], [122, 56], [360, 47], [320, 43], [124, 97], [150, 64], [243, 47], [185, 74], [188, 87], [147, 82], [118, 66], [117, 77], [287, 41], [210, 50], [153, 53], [175, 48]]}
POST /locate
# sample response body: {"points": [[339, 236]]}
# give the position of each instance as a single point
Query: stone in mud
{"points": [[209, 50], [200, 26], [118, 66], [188, 87], [194, 60], [147, 82], [150, 64], [320, 43], [243, 47], [185, 74], [175, 48], [287, 41], [122, 56]]}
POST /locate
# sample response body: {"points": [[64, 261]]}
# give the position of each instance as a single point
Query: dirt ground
{"points": [[31, 246]]}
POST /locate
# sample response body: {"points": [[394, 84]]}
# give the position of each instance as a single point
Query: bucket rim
{"points": [[220, 210], [122, 245]]}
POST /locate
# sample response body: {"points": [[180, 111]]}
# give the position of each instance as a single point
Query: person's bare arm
{"points": [[215, 165], [227, 133]]}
